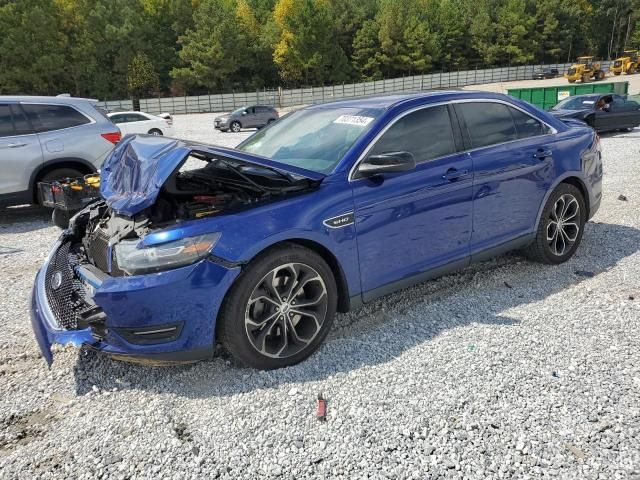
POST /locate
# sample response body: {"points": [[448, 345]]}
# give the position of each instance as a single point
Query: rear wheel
{"points": [[600, 75], [280, 309], [155, 131], [561, 226]]}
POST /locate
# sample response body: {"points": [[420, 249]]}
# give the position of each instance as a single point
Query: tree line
{"points": [[120, 48]]}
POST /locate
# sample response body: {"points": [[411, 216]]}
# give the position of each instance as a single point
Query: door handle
{"points": [[454, 174], [16, 145], [542, 154]]}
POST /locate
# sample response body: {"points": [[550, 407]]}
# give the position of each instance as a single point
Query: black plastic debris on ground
{"points": [[622, 198], [584, 273]]}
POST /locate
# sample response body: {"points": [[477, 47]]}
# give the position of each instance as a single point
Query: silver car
{"points": [[256, 116], [49, 138]]}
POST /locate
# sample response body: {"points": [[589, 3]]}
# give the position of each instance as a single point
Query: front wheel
{"points": [[561, 226], [155, 131], [280, 309], [235, 126]]}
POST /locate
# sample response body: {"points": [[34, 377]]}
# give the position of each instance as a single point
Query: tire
{"points": [[252, 303], [57, 174], [600, 75], [585, 78], [61, 217], [224, 130], [553, 245], [155, 131], [632, 70], [616, 73], [571, 80], [270, 121], [235, 126]]}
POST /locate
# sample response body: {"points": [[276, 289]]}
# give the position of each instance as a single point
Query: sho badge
{"points": [[56, 280], [339, 221]]}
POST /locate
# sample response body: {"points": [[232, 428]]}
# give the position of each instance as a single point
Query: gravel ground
{"points": [[508, 369]]}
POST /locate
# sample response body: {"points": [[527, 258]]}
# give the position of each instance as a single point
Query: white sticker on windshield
{"points": [[353, 120], [588, 102]]}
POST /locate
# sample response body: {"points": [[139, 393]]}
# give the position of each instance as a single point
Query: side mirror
{"points": [[387, 163], [244, 112]]}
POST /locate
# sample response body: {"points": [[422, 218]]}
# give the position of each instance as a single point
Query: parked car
{"points": [[256, 116], [603, 112], [141, 122], [329, 208], [546, 73], [49, 138]]}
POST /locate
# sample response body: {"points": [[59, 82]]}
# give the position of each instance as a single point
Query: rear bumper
{"points": [[189, 297]]}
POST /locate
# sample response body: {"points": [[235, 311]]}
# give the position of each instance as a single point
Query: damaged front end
{"points": [[133, 275]]}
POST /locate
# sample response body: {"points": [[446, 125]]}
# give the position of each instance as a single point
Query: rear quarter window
{"points": [[46, 118], [526, 125]]}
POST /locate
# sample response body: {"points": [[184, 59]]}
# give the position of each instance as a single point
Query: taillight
{"points": [[113, 137]]}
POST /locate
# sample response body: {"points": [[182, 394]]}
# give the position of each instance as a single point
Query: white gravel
{"points": [[507, 370]]}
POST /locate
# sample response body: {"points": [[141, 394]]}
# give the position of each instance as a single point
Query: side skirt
{"points": [[357, 301]]}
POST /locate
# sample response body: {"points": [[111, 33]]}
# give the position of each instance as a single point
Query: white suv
{"points": [[49, 138]]}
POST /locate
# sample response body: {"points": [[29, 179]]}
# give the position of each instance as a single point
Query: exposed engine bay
{"points": [[221, 186]]}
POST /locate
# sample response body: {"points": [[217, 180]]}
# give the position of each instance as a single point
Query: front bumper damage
{"points": [[163, 317]]}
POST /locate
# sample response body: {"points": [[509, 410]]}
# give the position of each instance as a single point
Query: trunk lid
{"points": [[133, 174]]}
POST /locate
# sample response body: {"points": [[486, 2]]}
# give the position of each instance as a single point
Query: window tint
{"points": [[45, 118], [13, 121], [20, 123], [426, 133], [262, 109], [6, 123], [488, 123], [117, 118], [134, 117], [526, 125]]}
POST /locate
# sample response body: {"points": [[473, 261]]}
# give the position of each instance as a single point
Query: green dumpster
{"points": [[547, 97]]}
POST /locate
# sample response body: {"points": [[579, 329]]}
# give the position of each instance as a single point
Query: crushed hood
{"points": [[133, 174]]}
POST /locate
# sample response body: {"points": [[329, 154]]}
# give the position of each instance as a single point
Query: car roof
{"points": [[63, 100], [389, 101], [587, 96]]}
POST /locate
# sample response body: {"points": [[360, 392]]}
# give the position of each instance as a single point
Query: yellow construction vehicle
{"points": [[584, 69], [627, 63]]}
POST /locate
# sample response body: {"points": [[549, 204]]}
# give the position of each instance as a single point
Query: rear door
{"points": [[512, 155], [57, 128], [20, 151], [412, 222]]}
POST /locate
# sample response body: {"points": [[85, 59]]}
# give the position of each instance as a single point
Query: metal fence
{"points": [[282, 98]]}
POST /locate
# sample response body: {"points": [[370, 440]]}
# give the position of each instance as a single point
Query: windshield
{"points": [[315, 139], [238, 111], [575, 103]]}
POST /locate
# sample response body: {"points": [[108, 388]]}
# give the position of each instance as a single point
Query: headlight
{"points": [[136, 260]]}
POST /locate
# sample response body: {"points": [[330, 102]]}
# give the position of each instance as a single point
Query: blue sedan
{"points": [[328, 208]]}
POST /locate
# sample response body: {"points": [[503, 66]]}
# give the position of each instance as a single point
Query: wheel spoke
{"points": [[554, 231], [310, 302], [307, 314], [571, 231]]}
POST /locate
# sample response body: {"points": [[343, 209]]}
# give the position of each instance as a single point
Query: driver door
{"points": [[410, 223]]}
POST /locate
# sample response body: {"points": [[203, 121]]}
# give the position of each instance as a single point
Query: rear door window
{"points": [[487, 123], [426, 133], [46, 118]]}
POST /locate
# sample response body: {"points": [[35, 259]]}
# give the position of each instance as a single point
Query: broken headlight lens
{"points": [[136, 260]]}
